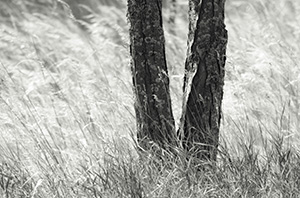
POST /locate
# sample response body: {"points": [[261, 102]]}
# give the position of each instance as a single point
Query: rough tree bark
{"points": [[204, 78], [155, 121]]}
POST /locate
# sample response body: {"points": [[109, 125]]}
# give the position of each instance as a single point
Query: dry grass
{"points": [[67, 114]]}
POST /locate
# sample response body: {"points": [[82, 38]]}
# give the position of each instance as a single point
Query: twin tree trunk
{"points": [[203, 80]]}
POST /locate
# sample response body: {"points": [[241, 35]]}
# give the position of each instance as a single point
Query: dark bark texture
{"points": [[155, 122], [204, 78]]}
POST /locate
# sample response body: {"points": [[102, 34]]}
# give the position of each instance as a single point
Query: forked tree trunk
{"points": [[203, 81], [204, 78], [155, 121]]}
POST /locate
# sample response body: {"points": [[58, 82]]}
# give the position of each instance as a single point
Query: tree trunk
{"points": [[155, 122], [204, 78]]}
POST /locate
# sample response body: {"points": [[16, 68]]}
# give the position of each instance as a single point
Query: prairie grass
{"points": [[66, 105]]}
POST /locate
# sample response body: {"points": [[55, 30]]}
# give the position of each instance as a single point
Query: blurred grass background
{"points": [[66, 103]]}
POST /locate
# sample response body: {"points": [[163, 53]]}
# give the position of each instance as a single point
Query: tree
{"points": [[203, 80], [153, 109]]}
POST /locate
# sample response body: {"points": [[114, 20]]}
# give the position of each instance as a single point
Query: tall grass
{"points": [[67, 120]]}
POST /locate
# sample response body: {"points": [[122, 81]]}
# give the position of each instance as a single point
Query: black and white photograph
{"points": [[150, 99]]}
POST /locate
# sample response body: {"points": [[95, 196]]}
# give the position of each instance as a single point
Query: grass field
{"points": [[66, 106]]}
